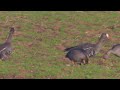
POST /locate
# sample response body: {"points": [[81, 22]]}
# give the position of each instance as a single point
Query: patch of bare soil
{"points": [[101, 62], [18, 27], [22, 17], [31, 37], [72, 32], [45, 17], [28, 36], [106, 63], [30, 44], [60, 47], [63, 45], [18, 33], [57, 26], [88, 24], [1, 33], [71, 26], [5, 25], [7, 77], [21, 75], [13, 76], [91, 33], [26, 44], [39, 28], [66, 43], [54, 34]]}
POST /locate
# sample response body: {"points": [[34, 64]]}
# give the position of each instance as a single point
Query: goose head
{"points": [[104, 37]]}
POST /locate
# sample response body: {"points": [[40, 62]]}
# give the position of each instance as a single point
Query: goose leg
{"points": [[87, 59], [106, 56], [4, 57], [79, 63]]}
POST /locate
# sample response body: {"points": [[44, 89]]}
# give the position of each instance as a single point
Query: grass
{"points": [[41, 36]]}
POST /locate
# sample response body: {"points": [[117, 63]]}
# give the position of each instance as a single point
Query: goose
{"points": [[6, 47], [82, 52], [114, 50]]}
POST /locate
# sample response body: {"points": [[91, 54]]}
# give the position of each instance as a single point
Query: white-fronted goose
{"points": [[6, 48], [83, 51]]}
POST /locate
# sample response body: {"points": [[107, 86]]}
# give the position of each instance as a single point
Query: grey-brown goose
{"points": [[6, 47], [83, 51], [114, 50]]}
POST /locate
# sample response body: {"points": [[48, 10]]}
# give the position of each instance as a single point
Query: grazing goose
{"points": [[83, 51], [114, 50], [78, 55], [6, 48]]}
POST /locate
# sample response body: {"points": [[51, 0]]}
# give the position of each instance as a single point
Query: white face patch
{"points": [[107, 35]]}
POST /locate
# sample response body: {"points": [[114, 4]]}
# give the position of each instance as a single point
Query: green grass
{"points": [[39, 33]]}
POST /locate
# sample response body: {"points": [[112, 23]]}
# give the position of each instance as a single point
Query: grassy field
{"points": [[41, 37]]}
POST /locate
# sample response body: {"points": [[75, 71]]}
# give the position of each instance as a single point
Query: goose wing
{"points": [[84, 46], [4, 46]]}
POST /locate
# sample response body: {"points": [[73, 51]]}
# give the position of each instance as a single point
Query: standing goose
{"points": [[83, 51], [6, 48], [114, 50]]}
